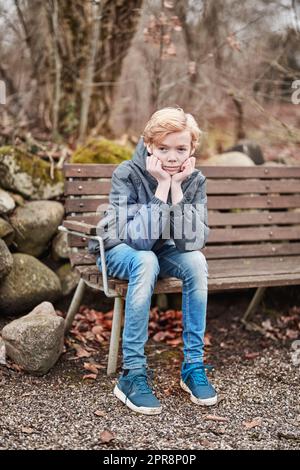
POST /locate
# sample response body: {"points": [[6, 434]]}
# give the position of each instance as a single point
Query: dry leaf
{"points": [[205, 442], [252, 424], [81, 352], [91, 367], [251, 355], [106, 436], [99, 413], [90, 376], [27, 430], [220, 419]]}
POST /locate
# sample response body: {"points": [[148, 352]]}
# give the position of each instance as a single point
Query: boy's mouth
{"points": [[171, 167]]}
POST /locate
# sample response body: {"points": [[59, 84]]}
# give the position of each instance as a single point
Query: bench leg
{"points": [[75, 304], [254, 303], [115, 335]]}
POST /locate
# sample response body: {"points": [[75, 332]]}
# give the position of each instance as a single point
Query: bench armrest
{"points": [[81, 227], [84, 227]]}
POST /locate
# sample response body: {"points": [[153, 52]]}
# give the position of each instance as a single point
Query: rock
{"points": [[28, 283], [6, 260], [229, 159], [35, 341], [7, 204], [6, 231], [68, 278], [101, 151], [35, 224], [2, 352], [250, 148], [28, 175], [19, 200], [60, 248]]}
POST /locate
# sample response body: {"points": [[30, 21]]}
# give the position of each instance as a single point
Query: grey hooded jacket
{"points": [[137, 217]]}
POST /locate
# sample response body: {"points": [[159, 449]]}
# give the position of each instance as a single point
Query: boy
{"points": [[155, 226]]}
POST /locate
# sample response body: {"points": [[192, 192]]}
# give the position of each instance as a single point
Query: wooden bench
{"points": [[254, 216]]}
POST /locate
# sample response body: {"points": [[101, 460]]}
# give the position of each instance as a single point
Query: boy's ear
{"points": [[149, 148]]}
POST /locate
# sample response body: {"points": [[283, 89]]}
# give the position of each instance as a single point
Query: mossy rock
{"points": [[28, 175], [101, 151]]}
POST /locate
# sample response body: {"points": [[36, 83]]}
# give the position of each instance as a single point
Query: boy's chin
{"points": [[172, 172]]}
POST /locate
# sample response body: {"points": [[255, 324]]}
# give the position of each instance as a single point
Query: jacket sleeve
{"points": [[189, 220], [139, 225]]}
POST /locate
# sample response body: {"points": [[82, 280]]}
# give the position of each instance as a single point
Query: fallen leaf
{"points": [[90, 376], [205, 442], [252, 424], [99, 413], [220, 419], [174, 342], [81, 352], [251, 355], [27, 430], [91, 367], [207, 340], [106, 436]]}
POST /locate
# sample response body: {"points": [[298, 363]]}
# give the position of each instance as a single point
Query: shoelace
{"points": [[198, 372], [141, 380]]}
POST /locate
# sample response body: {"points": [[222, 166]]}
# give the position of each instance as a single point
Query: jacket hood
{"points": [[140, 154]]}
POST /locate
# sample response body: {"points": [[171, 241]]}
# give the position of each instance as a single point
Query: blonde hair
{"points": [[168, 120]]}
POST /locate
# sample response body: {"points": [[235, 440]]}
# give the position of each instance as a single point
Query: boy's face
{"points": [[173, 150]]}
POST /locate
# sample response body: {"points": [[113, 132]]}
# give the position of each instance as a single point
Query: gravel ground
{"points": [[258, 386]]}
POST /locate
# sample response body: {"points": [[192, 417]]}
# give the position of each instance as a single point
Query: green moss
{"points": [[31, 164], [101, 151], [29, 175]]}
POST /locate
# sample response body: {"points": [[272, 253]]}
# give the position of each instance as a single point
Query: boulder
{"points": [[60, 248], [250, 148], [7, 204], [35, 224], [6, 231], [2, 352], [28, 283], [35, 341], [29, 175], [6, 260], [68, 278], [229, 159]]}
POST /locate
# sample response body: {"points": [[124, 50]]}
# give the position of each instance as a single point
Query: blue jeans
{"points": [[142, 268]]}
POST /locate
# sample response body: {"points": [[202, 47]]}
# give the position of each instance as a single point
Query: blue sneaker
{"points": [[195, 382], [134, 391]]}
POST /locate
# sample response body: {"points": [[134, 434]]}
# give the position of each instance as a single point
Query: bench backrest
{"points": [[252, 211]]}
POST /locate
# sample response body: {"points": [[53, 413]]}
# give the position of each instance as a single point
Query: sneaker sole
{"points": [[199, 401], [139, 409]]}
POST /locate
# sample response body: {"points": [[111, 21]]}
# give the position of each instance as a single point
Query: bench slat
{"points": [[95, 187], [216, 252], [244, 234], [214, 202], [234, 275], [262, 266], [222, 218], [106, 170]]}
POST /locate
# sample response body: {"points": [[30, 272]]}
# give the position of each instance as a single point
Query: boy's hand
{"points": [[186, 170], [153, 165]]}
